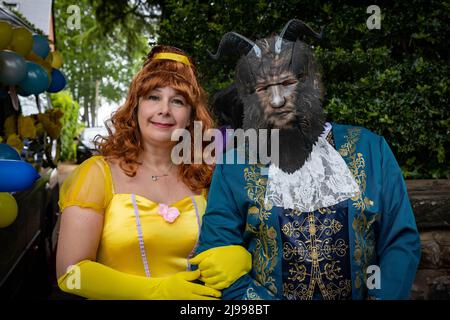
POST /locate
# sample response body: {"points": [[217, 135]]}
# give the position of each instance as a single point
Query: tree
{"points": [[98, 65]]}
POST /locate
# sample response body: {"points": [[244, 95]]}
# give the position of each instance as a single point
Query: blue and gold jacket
{"points": [[381, 224]]}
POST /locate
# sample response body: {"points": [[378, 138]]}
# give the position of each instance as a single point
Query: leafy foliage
{"points": [[98, 64], [70, 126]]}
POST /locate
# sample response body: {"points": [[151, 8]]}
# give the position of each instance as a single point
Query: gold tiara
{"points": [[172, 56]]}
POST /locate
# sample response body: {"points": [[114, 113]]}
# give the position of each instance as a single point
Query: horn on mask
{"points": [[293, 30], [233, 42]]}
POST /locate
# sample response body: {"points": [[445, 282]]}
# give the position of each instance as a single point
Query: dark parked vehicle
{"points": [[86, 147]]}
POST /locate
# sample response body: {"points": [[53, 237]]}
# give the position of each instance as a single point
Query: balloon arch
{"points": [[26, 62], [27, 67]]}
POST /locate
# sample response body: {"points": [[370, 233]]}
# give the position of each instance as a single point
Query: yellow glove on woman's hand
{"points": [[221, 266], [93, 280], [179, 287]]}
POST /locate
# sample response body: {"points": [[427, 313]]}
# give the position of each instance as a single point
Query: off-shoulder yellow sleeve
{"points": [[88, 186]]}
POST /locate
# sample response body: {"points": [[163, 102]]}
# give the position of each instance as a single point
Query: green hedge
{"points": [[393, 81], [71, 126]]}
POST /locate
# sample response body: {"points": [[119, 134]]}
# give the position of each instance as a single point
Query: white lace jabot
{"points": [[324, 180]]}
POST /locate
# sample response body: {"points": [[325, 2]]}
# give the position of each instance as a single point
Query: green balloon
{"points": [[13, 68], [36, 80]]}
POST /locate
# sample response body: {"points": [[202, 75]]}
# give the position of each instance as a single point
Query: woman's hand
{"points": [[180, 287], [221, 266]]}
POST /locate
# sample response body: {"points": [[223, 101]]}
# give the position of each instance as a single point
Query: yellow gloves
{"points": [[221, 266], [218, 268], [96, 281], [179, 287]]}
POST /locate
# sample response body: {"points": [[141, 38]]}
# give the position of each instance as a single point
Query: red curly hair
{"points": [[124, 143]]}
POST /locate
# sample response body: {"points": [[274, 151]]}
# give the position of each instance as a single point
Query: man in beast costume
{"points": [[331, 219]]}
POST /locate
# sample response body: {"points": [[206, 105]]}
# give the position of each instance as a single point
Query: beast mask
{"points": [[277, 81]]}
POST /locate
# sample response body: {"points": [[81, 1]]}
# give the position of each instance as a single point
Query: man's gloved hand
{"points": [[221, 266], [180, 287]]}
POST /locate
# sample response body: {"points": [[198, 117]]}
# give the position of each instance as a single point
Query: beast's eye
{"points": [[289, 82], [261, 88]]}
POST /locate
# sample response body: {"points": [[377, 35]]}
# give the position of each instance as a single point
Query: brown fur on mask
{"points": [[300, 116], [282, 90]]}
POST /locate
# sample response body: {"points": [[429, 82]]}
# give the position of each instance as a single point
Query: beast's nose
{"points": [[276, 97]]}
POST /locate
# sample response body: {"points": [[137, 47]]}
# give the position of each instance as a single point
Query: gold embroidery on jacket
{"points": [[364, 251], [266, 249], [251, 294], [314, 244]]}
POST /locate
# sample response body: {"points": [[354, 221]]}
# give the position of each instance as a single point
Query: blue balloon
{"points": [[9, 153], [58, 81], [16, 175], [36, 80], [22, 92], [40, 46], [13, 68]]}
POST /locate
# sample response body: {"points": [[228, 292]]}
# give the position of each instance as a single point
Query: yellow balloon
{"points": [[5, 34], [57, 59], [8, 209], [42, 62], [22, 41], [49, 58]]}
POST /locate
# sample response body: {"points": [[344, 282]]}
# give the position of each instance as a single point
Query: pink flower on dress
{"points": [[168, 213]]}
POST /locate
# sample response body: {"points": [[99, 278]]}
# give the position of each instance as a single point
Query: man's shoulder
{"points": [[363, 134]]}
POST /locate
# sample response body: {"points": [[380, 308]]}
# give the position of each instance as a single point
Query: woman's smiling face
{"points": [[161, 112]]}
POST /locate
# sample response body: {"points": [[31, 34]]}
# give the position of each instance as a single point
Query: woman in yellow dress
{"points": [[130, 217]]}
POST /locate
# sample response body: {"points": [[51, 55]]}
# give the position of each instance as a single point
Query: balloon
{"points": [[5, 34], [49, 59], [58, 81], [8, 209], [22, 41], [36, 80], [42, 62], [23, 92], [13, 68], [40, 46], [16, 175], [9, 153], [57, 60]]}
